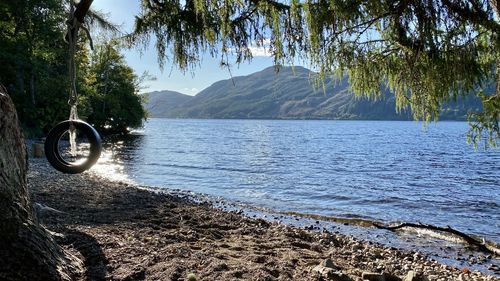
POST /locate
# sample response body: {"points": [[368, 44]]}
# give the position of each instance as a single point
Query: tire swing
{"points": [[54, 154]]}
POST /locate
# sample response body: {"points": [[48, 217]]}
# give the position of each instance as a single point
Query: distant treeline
{"points": [[34, 57]]}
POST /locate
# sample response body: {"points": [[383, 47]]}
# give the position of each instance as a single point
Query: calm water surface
{"points": [[389, 171]]}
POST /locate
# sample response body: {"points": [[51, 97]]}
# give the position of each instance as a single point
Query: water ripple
{"points": [[379, 170]]}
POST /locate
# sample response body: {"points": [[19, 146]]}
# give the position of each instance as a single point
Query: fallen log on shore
{"points": [[481, 245]]}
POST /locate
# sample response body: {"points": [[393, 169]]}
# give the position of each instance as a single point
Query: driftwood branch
{"points": [[481, 245]]}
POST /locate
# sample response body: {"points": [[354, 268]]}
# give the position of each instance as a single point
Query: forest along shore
{"points": [[123, 232]]}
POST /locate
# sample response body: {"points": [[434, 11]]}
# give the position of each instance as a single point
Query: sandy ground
{"points": [[122, 232]]}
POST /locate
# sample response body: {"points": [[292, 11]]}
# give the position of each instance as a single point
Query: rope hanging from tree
{"points": [[72, 36], [74, 23], [74, 26]]}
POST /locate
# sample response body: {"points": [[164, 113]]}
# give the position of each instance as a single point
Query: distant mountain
{"points": [[161, 103], [288, 94]]}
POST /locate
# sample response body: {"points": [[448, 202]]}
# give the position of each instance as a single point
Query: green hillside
{"points": [[161, 103], [288, 94]]}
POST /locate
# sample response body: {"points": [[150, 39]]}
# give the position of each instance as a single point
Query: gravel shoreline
{"points": [[122, 232]]}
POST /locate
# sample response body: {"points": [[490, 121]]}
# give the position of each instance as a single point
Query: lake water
{"points": [[377, 170]]}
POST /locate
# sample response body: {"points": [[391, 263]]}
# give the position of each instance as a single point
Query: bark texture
{"points": [[27, 250]]}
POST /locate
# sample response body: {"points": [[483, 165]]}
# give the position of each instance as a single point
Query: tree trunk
{"points": [[27, 250]]}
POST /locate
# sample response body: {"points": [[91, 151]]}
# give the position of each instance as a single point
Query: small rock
{"points": [[413, 276], [356, 247], [237, 274], [328, 263], [328, 271], [191, 276], [221, 267], [371, 276], [357, 257]]}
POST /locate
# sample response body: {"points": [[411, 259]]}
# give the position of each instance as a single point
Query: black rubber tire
{"points": [[52, 147]]}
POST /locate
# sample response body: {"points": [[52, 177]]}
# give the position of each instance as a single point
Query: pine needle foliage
{"points": [[426, 52]]}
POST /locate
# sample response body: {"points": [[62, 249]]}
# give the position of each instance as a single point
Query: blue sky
{"points": [[194, 80]]}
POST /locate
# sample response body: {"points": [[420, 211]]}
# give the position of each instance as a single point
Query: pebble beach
{"points": [[125, 232]]}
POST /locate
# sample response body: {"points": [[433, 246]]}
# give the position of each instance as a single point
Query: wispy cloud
{"points": [[260, 50]]}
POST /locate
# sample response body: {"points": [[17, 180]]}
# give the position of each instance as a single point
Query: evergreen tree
{"points": [[34, 60], [112, 103], [33, 57]]}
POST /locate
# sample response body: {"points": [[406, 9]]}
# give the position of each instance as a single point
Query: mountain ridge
{"points": [[288, 94]]}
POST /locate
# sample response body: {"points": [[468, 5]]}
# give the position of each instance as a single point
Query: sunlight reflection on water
{"points": [[110, 166]]}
